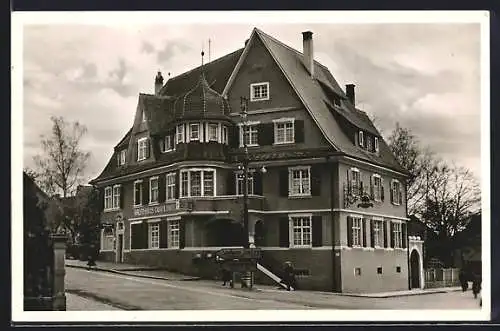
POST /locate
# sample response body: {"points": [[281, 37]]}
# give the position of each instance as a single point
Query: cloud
{"points": [[147, 47], [170, 49]]}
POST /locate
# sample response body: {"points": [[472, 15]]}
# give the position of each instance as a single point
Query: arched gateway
{"points": [[415, 269]]}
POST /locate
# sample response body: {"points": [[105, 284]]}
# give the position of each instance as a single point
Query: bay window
{"points": [[197, 182]]}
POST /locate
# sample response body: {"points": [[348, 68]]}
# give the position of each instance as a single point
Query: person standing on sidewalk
{"points": [[476, 285], [463, 280]]}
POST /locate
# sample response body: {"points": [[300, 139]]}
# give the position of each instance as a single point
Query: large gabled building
{"points": [[325, 191]]}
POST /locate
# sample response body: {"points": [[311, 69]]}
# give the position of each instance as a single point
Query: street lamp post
{"points": [[244, 106]]}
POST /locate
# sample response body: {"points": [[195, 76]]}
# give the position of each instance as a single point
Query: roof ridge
{"points": [[189, 71]]}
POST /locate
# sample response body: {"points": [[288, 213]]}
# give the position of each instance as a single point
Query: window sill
{"points": [[167, 151], [153, 203], [301, 247], [259, 99], [284, 143], [251, 145], [138, 206], [111, 209], [300, 196]]}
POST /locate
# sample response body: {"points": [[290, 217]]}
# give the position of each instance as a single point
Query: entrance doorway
{"points": [[415, 269], [119, 248]]}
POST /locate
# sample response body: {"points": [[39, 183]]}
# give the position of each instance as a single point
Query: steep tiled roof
{"points": [[315, 99], [216, 72]]}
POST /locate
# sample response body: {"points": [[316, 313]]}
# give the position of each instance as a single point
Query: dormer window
{"points": [[166, 144], [259, 91], [369, 143], [376, 144], [194, 131], [180, 134], [142, 149], [361, 139], [121, 157], [143, 120]]}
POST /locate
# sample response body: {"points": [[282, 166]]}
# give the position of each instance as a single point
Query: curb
{"points": [[125, 273]]}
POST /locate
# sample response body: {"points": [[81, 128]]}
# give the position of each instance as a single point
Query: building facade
{"points": [[324, 190]]}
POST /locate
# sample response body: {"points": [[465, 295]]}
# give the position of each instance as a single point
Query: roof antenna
{"points": [[209, 42]]}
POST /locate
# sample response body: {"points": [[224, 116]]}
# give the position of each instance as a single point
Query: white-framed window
{"points": [[173, 233], [301, 230], [377, 187], [179, 133], [194, 131], [224, 135], [116, 196], [107, 239], [397, 234], [259, 91], [299, 181], [167, 145], [213, 132], [378, 233], [154, 235], [138, 192], [121, 157], [355, 181], [356, 231], [376, 144], [396, 192], [143, 118], [170, 185], [250, 134], [284, 131], [108, 197], [142, 145], [197, 182], [361, 137], [239, 184], [153, 190]]}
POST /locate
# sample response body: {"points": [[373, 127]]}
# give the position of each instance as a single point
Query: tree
{"points": [[453, 195], [416, 160], [61, 166]]}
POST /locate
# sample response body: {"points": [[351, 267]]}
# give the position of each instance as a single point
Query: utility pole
{"points": [[244, 113]]}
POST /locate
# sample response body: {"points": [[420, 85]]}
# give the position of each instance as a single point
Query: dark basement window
{"points": [[398, 269], [379, 270], [357, 271]]}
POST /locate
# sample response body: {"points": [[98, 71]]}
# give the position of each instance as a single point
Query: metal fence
{"points": [[441, 277]]}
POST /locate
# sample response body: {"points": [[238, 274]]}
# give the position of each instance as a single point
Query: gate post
{"points": [[59, 295]]}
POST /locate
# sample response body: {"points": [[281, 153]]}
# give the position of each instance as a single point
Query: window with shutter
{"points": [[301, 230], [266, 134], [138, 193], [299, 181], [284, 131]]}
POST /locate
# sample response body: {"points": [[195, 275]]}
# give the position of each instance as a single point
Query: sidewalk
{"points": [[157, 273], [76, 302], [131, 270]]}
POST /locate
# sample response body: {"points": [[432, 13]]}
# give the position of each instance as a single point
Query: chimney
{"points": [[158, 83], [308, 51], [349, 91]]}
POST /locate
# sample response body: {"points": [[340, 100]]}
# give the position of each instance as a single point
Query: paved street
{"points": [[76, 302], [133, 293]]}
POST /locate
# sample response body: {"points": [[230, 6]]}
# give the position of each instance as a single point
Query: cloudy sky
{"points": [[425, 76]]}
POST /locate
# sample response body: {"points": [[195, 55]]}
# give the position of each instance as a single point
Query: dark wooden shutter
{"points": [[349, 231], [161, 143], [316, 180], [403, 234], [284, 233], [164, 234], [145, 234], [148, 148], [363, 230], [390, 191], [391, 233], [349, 184], [400, 194], [257, 183], [299, 131], [172, 141], [134, 236], [182, 234], [136, 147], [317, 231], [361, 189], [372, 233], [382, 195], [384, 234], [122, 194], [145, 191], [231, 183], [372, 195], [233, 136], [162, 189], [265, 135], [283, 182]]}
